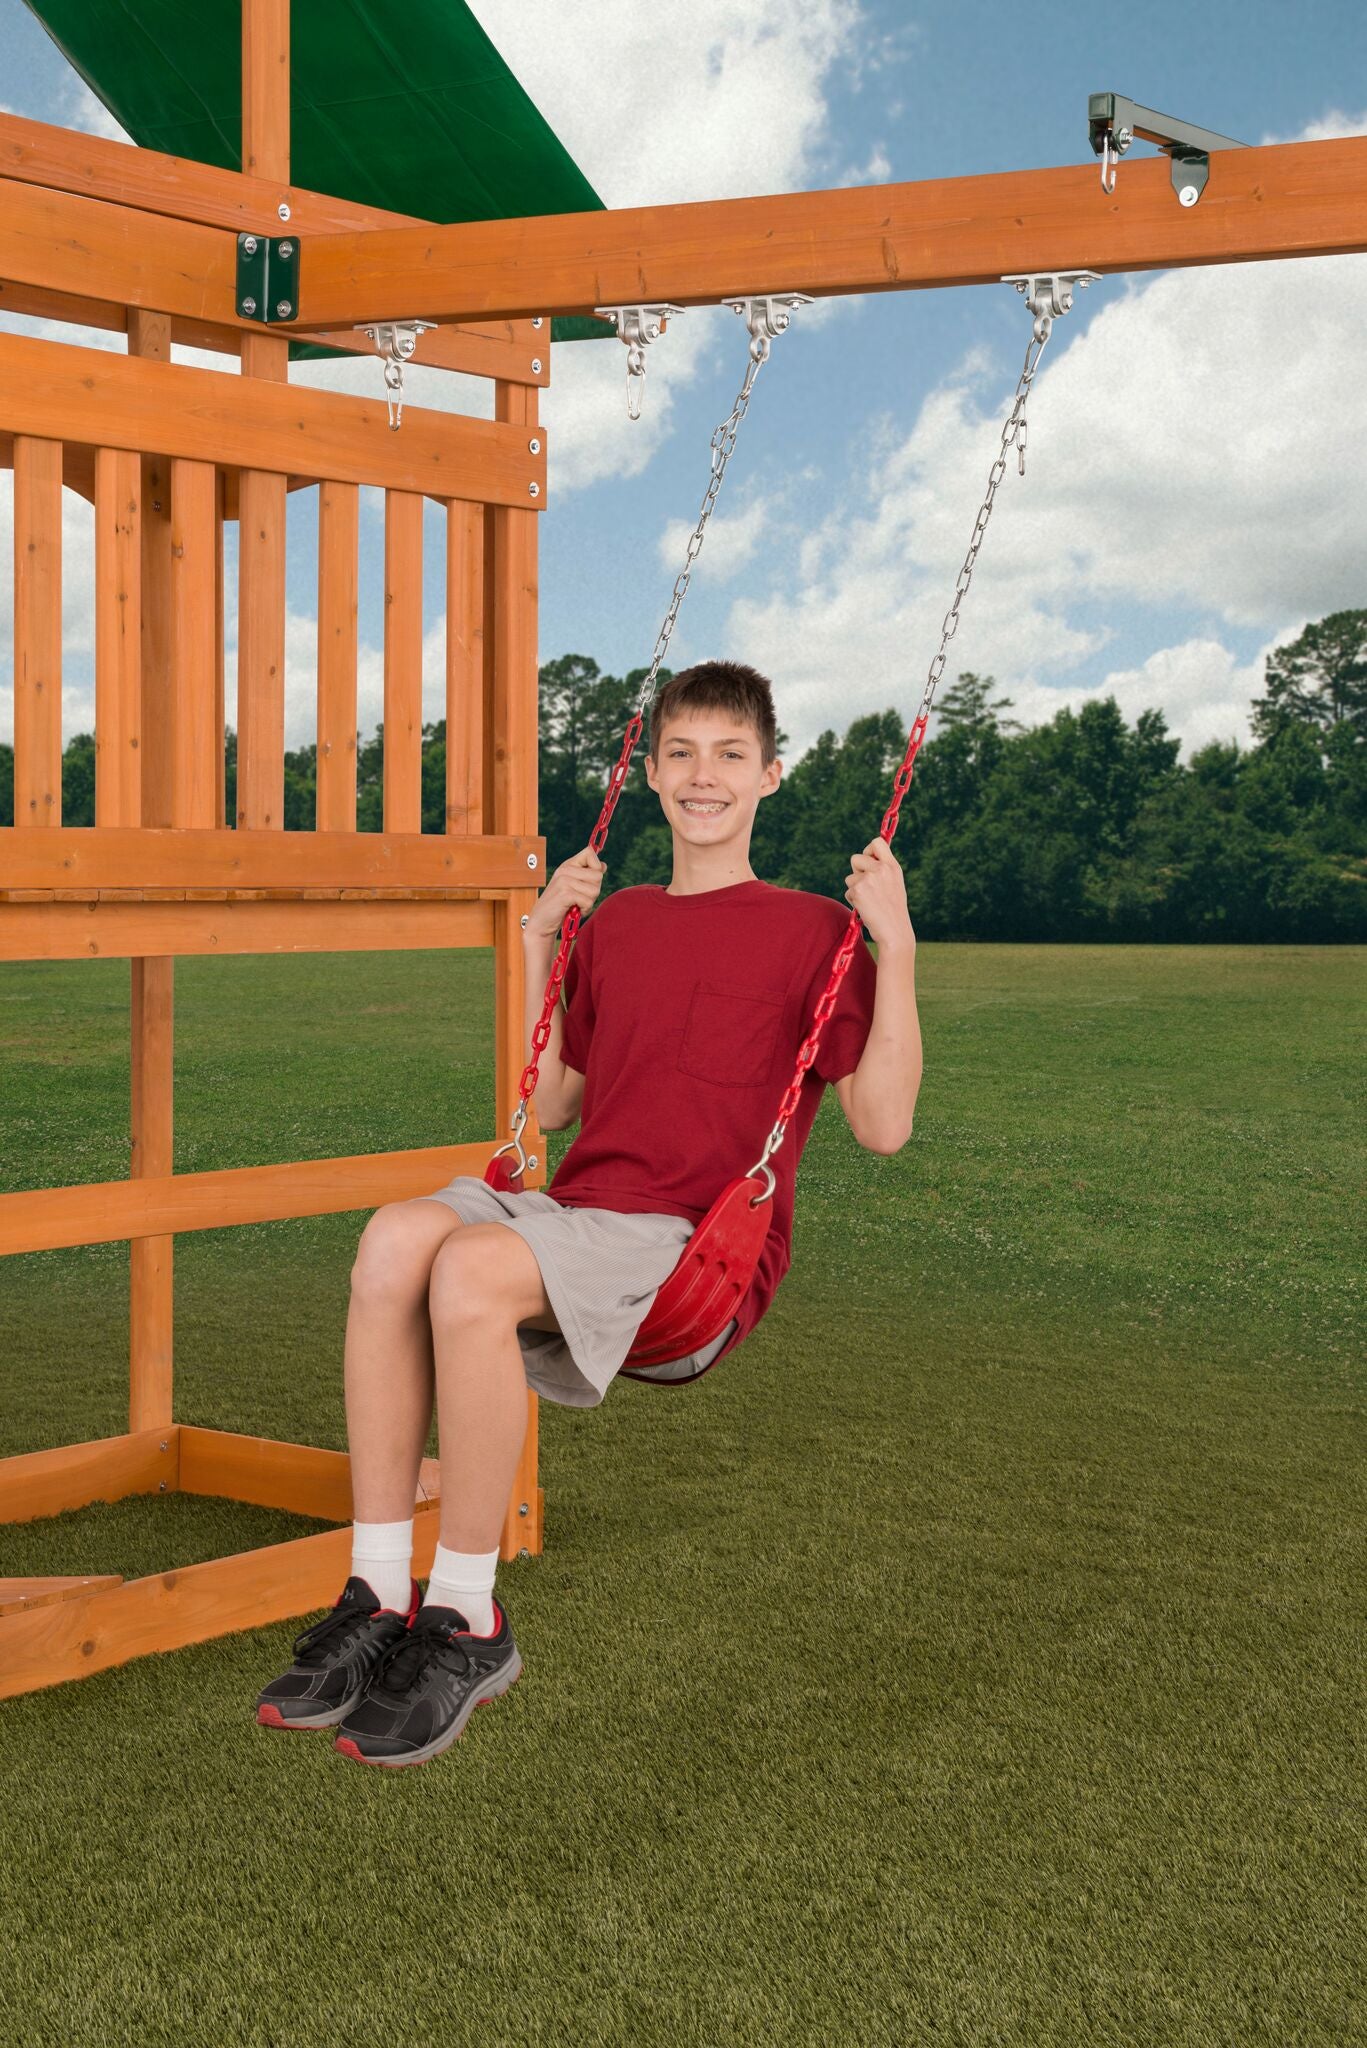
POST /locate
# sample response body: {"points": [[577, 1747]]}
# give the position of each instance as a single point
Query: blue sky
{"points": [[1196, 483]]}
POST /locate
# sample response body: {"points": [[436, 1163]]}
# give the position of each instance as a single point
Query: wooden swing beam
{"points": [[129, 240], [1283, 200]]}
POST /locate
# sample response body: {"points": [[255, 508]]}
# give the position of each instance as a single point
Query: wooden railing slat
{"points": [[402, 662], [37, 632], [146, 932], [338, 572], [118, 637], [127, 857], [44, 1219], [194, 642], [464, 667]]}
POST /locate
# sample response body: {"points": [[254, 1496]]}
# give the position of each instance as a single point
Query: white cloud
{"points": [[656, 107], [80, 109], [1327, 129], [727, 100], [1201, 686], [728, 544]]}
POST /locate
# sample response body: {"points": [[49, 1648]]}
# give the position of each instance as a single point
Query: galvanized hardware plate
{"points": [[268, 278]]}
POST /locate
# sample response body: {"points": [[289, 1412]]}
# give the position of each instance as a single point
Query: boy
{"points": [[684, 1010]]}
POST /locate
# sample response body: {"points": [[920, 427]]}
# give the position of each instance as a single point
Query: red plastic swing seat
{"points": [[713, 1276]]}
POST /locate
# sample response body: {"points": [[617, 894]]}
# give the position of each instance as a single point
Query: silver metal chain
{"points": [[1047, 298], [723, 442], [1013, 435]]}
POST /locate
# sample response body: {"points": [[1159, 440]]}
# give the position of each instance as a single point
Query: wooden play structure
{"points": [[131, 240]]}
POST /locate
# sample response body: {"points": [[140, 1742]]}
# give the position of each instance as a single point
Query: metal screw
{"points": [[283, 309], [536, 320], [283, 209], [524, 1509], [536, 366], [249, 245], [163, 1443], [162, 1487], [533, 1162], [533, 490], [524, 1553], [531, 860], [533, 447], [287, 249], [249, 307], [1188, 195], [524, 927]]}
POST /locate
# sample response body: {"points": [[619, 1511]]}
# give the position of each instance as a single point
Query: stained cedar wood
{"points": [[93, 169], [91, 396], [44, 1219], [37, 633], [261, 619], [338, 571], [152, 979], [118, 644], [464, 667], [1283, 200], [402, 795], [511, 633]]}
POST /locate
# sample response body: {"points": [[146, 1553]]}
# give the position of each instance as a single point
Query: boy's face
{"points": [[709, 778]]}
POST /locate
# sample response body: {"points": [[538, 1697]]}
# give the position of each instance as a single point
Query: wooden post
{"points": [[152, 994], [261, 497], [510, 794]]}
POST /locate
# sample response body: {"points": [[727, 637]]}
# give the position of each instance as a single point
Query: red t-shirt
{"points": [[684, 1014]]}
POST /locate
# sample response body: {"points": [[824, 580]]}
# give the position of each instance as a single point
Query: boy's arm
{"points": [[879, 1097]]}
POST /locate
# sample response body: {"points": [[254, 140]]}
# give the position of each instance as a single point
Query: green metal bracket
{"points": [[1113, 123], [268, 278]]}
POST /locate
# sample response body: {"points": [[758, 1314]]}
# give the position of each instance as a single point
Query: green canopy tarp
{"points": [[403, 104]]}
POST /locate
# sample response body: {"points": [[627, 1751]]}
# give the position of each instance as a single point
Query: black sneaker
{"points": [[334, 1659], [425, 1689]]}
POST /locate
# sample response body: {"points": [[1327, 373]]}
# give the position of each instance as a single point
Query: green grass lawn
{"points": [[976, 1657]]}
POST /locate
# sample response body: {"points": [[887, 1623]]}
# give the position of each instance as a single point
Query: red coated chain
{"points": [[811, 1045], [541, 1036]]}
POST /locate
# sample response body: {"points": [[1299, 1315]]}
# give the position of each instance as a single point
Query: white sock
{"points": [[382, 1555], [464, 1579]]}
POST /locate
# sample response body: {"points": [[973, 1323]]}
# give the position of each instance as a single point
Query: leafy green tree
{"points": [[78, 780], [1318, 680]]}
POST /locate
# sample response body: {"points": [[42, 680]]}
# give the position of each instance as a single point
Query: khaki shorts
{"points": [[601, 1271]]}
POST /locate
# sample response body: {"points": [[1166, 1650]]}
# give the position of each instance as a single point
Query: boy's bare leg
{"points": [[388, 1357], [485, 1281]]}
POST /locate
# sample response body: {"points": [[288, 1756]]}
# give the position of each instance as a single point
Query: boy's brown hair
{"points": [[727, 686]]}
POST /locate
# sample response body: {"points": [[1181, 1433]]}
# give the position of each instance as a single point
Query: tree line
{"points": [[1084, 828]]}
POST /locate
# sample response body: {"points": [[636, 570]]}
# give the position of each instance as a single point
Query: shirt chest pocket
{"points": [[730, 1034]]}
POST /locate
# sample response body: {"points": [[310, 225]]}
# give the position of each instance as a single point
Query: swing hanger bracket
{"points": [[767, 317], [1049, 294], [1113, 123], [396, 340], [637, 327]]}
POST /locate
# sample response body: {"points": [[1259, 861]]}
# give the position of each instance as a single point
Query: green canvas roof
{"points": [[405, 105]]}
